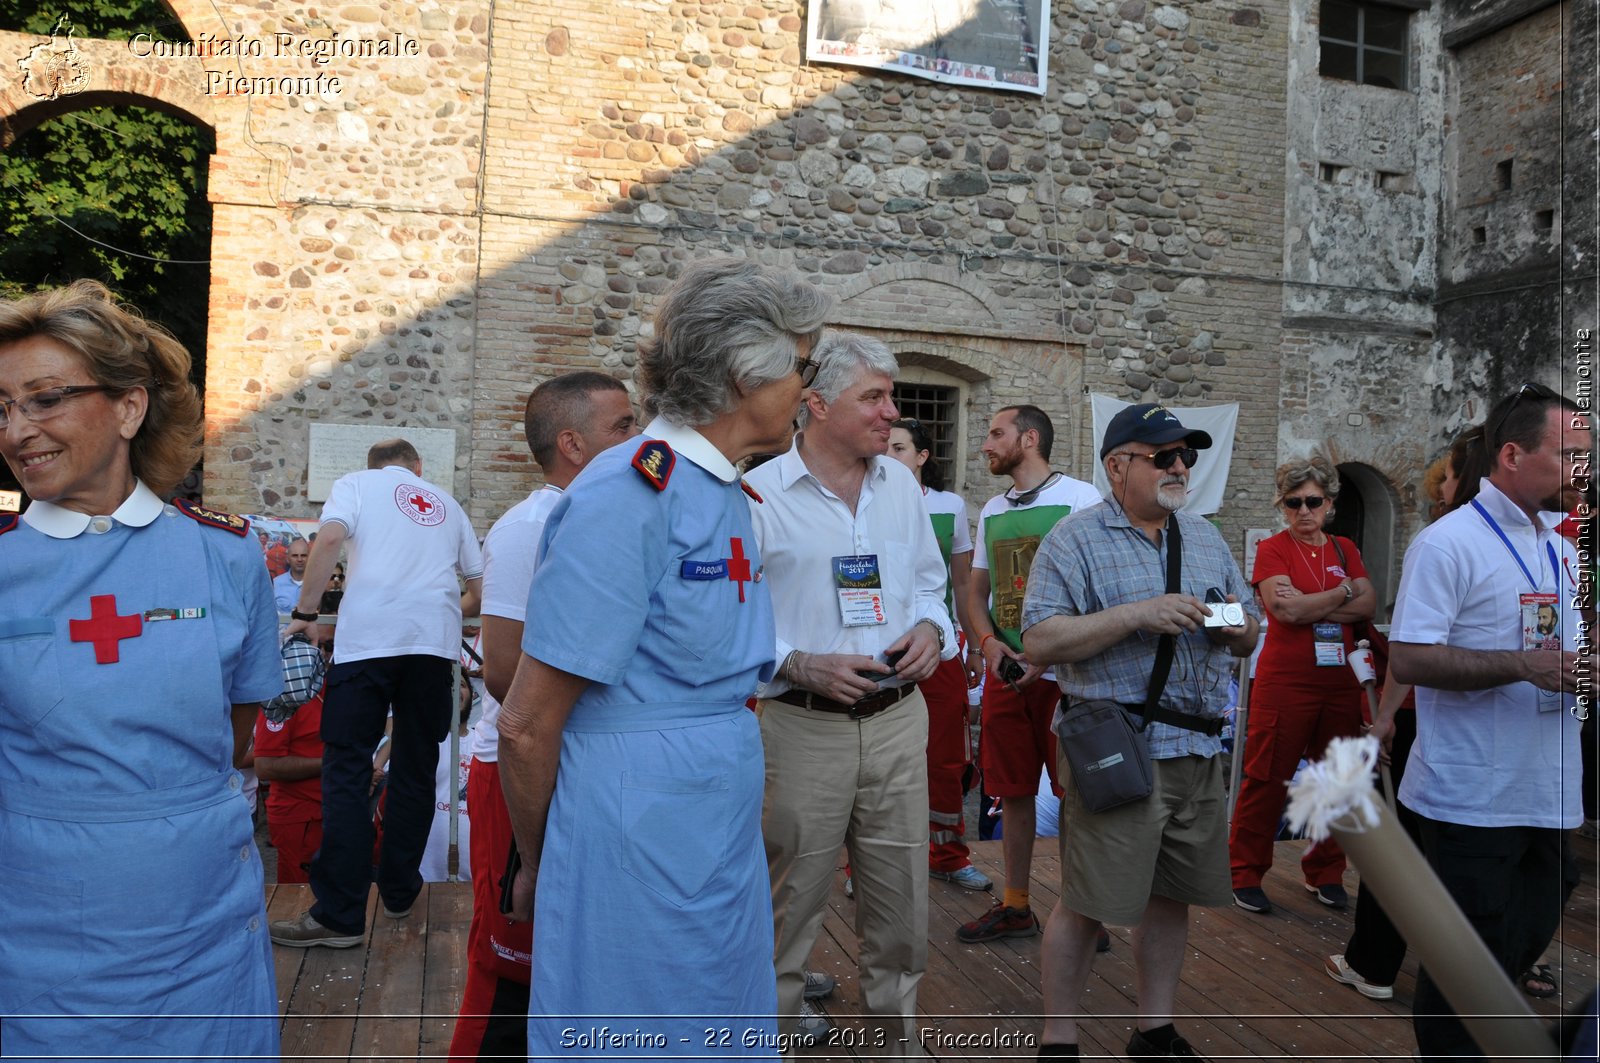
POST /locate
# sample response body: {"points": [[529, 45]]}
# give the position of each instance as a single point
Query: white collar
{"points": [[694, 446], [1507, 512], [791, 466], [139, 509]]}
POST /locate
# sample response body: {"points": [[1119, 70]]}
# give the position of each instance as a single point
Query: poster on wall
{"points": [[994, 44]]}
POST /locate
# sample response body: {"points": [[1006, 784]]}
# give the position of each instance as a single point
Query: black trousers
{"points": [[358, 699], [1510, 884], [1376, 950]]}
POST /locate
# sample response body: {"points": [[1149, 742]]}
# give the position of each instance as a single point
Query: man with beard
{"points": [[1495, 773], [1096, 606], [1018, 696]]}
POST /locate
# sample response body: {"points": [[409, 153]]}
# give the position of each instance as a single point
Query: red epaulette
{"points": [[751, 491], [9, 522], [213, 518], [654, 460]]}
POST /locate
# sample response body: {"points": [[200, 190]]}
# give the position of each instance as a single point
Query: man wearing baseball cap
{"points": [[1098, 610]]}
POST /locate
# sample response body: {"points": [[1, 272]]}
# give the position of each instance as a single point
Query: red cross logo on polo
{"points": [[105, 628], [420, 504]]}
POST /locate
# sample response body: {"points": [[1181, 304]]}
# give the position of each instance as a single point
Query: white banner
{"points": [[994, 44], [1208, 482]]}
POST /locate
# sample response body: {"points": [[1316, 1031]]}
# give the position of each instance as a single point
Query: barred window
{"points": [[1365, 43], [936, 406]]}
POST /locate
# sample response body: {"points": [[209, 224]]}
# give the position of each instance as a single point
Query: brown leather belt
{"points": [[870, 705]]}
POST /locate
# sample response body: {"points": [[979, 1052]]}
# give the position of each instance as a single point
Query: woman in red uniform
{"points": [[1313, 586]]}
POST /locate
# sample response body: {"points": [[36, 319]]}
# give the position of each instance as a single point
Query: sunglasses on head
{"points": [[1310, 502], [1165, 459], [1538, 391]]}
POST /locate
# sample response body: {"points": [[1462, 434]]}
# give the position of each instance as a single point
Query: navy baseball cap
{"points": [[1150, 422]]}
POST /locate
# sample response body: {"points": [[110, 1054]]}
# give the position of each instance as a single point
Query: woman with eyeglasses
{"points": [[137, 641], [1314, 587]]}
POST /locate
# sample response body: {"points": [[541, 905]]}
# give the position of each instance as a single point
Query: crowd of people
{"points": [[716, 651]]}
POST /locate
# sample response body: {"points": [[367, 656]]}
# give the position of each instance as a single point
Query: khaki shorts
{"points": [[1173, 843]]}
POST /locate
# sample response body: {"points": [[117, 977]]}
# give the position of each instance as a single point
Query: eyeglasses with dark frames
{"points": [[1165, 459], [807, 368], [1538, 391], [47, 403], [1312, 502]]}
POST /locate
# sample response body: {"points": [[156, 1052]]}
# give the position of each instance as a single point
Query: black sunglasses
{"points": [[1164, 459], [1310, 502], [1538, 391], [807, 368]]}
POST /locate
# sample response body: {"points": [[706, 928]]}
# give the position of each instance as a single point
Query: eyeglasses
{"points": [[1164, 459], [43, 405], [1312, 502], [807, 368], [1538, 391]]}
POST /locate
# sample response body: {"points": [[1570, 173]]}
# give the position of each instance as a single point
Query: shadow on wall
{"points": [[995, 238]]}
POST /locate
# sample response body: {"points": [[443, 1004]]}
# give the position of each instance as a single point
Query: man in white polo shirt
{"points": [[286, 588], [568, 420], [399, 636], [1495, 774]]}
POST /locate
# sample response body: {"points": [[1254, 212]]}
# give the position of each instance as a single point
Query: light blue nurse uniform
{"points": [[652, 929], [130, 885]]}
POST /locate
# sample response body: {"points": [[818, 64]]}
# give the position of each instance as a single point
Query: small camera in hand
{"points": [[1223, 612], [1010, 669]]}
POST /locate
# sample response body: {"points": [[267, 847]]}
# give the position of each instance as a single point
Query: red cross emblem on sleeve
{"points": [[105, 629], [738, 565]]}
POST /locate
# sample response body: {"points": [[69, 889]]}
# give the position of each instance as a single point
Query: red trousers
{"points": [[1288, 721], [949, 753], [296, 844], [494, 1001]]}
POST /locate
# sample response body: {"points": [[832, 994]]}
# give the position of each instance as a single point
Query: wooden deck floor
{"points": [[1253, 987]]}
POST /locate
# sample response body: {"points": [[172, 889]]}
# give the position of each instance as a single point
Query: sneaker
{"points": [[813, 1025], [849, 886], [1000, 922], [1333, 895], [392, 913], [304, 932], [1341, 971], [1141, 1050], [818, 985], [968, 878], [1252, 899]]}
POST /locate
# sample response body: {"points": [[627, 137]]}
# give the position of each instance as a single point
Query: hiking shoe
{"points": [[1333, 895], [1252, 899], [968, 878], [304, 932], [813, 1025], [1000, 922], [818, 985], [1340, 971], [1141, 1050]]}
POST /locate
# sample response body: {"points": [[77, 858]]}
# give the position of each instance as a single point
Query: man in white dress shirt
{"points": [[857, 585]]}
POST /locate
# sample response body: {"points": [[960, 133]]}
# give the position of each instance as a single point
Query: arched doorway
{"points": [[1365, 514]]}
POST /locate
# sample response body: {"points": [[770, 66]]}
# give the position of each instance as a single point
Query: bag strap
{"points": [[1165, 648]]}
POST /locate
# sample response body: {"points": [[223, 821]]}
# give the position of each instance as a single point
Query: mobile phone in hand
{"points": [[890, 659], [1010, 669]]}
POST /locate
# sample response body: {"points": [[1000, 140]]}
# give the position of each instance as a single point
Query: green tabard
{"points": [[944, 529], [1011, 539]]}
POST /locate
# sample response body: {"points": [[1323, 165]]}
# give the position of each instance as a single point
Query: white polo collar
{"points": [[694, 446], [792, 467], [141, 508]]}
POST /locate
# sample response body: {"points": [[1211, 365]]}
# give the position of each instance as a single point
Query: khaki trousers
{"points": [[835, 781]]}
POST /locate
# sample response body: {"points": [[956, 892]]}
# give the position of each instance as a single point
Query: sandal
{"points": [[1537, 981]]}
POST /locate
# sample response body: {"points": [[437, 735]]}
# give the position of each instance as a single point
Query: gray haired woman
{"points": [[632, 768], [1314, 587]]}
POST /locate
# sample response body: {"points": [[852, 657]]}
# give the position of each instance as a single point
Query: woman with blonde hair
{"points": [[137, 640]]}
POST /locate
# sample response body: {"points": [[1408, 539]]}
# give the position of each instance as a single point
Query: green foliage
{"points": [[130, 181]]}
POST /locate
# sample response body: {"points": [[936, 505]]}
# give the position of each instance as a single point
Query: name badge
{"points": [[1327, 643], [1541, 630], [704, 569], [860, 588]]}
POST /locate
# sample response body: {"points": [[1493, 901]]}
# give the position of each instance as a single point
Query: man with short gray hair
{"points": [[857, 584], [399, 637]]}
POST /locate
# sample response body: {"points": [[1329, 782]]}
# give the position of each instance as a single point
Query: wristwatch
{"points": [[1349, 590], [298, 615], [937, 630]]}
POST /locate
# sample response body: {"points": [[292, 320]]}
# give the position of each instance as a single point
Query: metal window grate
{"points": [[935, 406]]}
